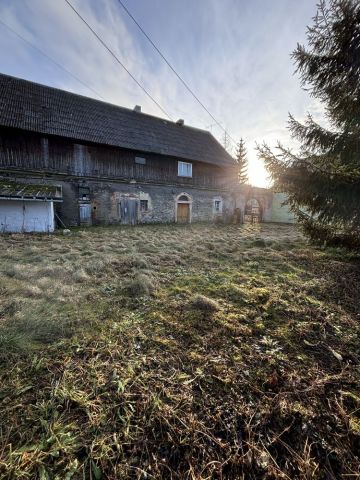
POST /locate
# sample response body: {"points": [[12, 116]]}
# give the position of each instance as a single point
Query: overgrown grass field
{"points": [[169, 352]]}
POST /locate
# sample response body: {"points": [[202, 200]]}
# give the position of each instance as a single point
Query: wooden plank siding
{"points": [[32, 152]]}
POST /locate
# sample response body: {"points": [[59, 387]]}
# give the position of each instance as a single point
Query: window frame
{"points": [[186, 165], [146, 203], [84, 193], [140, 160], [217, 202]]}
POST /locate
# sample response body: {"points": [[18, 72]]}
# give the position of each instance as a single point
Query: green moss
{"points": [[11, 188]]}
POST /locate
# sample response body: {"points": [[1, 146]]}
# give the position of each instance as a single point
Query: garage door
{"points": [[18, 216]]}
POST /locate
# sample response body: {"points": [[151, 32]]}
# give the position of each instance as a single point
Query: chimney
{"points": [[137, 108], [180, 121]]}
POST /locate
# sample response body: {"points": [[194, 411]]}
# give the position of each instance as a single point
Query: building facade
{"points": [[104, 164]]}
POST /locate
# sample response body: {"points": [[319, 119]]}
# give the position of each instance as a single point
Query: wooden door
{"points": [[129, 208], [183, 213], [85, 213]]}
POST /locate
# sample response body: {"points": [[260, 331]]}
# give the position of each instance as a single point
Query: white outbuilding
{"points": [[27, 207]]}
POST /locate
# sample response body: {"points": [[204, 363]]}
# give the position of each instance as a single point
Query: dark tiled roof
{"points": [[38, 108]]}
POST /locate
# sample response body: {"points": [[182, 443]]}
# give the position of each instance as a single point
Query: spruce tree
{"points": [[242, 162], [322, 179]]}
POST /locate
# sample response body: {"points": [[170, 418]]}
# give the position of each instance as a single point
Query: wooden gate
{"points": [[252, 212], [128, 210], [183, 213]]}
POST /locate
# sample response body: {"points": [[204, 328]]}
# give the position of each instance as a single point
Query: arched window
{"points": [[183, 198]]}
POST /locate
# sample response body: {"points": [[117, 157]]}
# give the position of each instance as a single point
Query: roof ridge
{"points": [[79, 117]]}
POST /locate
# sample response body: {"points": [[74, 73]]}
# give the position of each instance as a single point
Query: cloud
{"points": [[234, 54]]}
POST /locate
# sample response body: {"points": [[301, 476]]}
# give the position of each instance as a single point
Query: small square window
{"points": [[84, 193], [184, 169], [140, 160], [217, 205], [144, 205]]}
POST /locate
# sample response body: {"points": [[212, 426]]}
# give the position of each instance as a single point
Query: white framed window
{"points": [[184, 169]]}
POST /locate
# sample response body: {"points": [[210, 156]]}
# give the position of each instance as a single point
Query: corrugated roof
{"points": [[39, 108]]}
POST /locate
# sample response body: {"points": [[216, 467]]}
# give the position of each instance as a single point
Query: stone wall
{"points": [[161, 202], [104, 199], [271, 204]]}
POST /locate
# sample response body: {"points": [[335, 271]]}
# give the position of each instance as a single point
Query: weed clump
{"points": [[23, 336], [203, 303], [259, 242], [32, 291], [11, 343], [80, 276], [141, 285]]}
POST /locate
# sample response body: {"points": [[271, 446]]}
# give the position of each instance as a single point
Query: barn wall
{"points": [[18, 216], [26, 151]]}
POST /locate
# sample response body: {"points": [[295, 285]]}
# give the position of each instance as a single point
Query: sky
{"points": [[234, 54]]}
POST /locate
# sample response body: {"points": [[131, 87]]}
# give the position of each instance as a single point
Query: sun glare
{"points": [[258, 175]]}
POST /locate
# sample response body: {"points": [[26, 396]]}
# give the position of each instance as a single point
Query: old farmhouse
{"points": [[70, 160]]}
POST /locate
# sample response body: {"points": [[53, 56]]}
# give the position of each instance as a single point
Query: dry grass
{"points": [[205, 304], [174, 352]]}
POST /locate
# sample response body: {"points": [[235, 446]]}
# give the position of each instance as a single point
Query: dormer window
{"points": [[184, 169]]}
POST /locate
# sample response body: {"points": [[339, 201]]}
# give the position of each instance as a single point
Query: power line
{"points": [[49, 58], [173, 70], [117, 59]]}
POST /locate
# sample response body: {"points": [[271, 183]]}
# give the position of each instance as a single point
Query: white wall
{"points": [[18, 216], [281, 213]]}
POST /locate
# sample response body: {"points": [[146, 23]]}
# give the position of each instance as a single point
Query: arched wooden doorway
{"points": [[252, 212], [183, 208]]}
